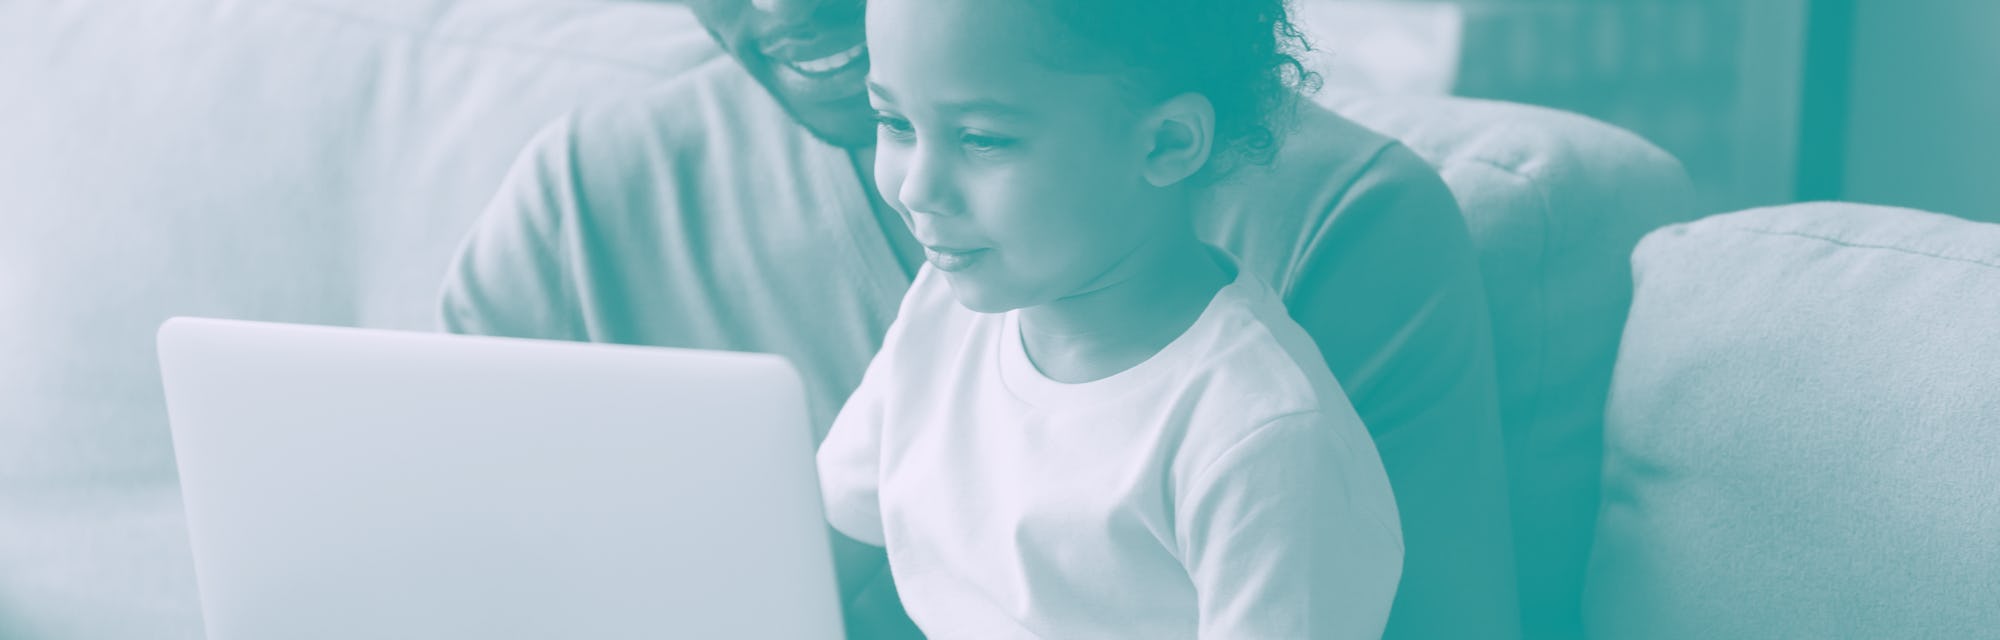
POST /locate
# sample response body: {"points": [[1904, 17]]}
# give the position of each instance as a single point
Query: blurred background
{"points": [[1765, 101]]}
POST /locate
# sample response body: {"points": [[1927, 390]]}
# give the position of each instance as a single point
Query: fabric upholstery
{"points": [[287, 160], [1556, 202], [1803, 429]]}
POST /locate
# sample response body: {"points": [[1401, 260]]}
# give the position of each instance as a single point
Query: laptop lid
{"points": [[349, 483]]}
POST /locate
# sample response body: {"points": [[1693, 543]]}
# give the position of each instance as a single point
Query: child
{"points": [[1085, 422]]}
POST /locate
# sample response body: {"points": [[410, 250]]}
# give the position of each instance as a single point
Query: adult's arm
{"points": [[511, 276], [1391, 292]]}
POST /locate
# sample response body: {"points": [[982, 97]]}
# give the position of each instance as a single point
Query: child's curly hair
{"points": [[1240, 54]]}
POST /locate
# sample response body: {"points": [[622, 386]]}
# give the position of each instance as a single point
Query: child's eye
{"points": [[893, 127], [984, 143]]}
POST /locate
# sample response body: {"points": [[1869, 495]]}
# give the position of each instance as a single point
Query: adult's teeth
{"points": [[829, 63]]}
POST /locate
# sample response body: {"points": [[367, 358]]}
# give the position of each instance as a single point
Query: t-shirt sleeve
{"points": [[850, 457], [511, 274], [850, 461], [1280, 543]]}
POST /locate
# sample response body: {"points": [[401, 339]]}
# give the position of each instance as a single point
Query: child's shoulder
{"points": [[1257, 362], [1260, 376]]}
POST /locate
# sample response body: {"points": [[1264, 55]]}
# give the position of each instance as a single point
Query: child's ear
{"points": [[1180, 131]]}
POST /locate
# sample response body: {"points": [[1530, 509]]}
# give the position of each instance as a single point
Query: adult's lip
{"points": [[821, 71], [828, 65], [795, 51]]}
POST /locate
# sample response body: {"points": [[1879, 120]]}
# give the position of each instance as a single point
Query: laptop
{"points": [[351, 483]]}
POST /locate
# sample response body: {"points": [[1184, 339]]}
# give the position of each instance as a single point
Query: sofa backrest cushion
{"points": [[292, 160], [1803, 437]]}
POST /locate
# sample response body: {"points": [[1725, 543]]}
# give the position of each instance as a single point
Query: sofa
{"points": [[1772, 423]]}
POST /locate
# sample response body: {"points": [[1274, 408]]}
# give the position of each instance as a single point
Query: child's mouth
{"points": [[949, 260]]}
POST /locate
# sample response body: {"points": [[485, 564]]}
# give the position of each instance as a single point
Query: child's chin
{"points": [[980, 299]]}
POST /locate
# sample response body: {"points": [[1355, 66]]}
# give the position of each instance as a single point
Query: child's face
{"points": [[1021, 181]]}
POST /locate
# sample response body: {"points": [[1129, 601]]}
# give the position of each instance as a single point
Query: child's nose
{"points": [[926, 188]]}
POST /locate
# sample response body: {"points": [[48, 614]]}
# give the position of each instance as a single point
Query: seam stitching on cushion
{"points": [[1534, 408], [1505, 167], [1541, 304], [1858, 245], [1516, 166]]}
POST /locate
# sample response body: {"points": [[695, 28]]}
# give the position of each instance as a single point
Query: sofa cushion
{"points": [[297, 160], [1555, 201], [1803, 431]]}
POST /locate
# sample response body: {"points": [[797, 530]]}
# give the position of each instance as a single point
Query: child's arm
{"points": [[856, 563], [1292, 533], [849, 462]]}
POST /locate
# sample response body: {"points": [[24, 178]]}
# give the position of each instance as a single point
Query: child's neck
{"points": [[1154, 296]]}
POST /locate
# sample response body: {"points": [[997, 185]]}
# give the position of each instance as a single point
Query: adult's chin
{"points": [[833, 109], [847, 124]]}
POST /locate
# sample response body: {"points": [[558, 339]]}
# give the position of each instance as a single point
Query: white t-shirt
{"points": [[1223, 488]]}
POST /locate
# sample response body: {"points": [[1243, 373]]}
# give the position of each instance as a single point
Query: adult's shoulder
{"points": [[1342, 159], [1331, 176], [704, 114]]}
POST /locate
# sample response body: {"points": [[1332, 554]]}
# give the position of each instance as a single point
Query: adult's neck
{"points": [[864, 168], [1139, 307]]}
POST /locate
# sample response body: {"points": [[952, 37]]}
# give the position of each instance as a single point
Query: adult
{"points": [[731, 208]]}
